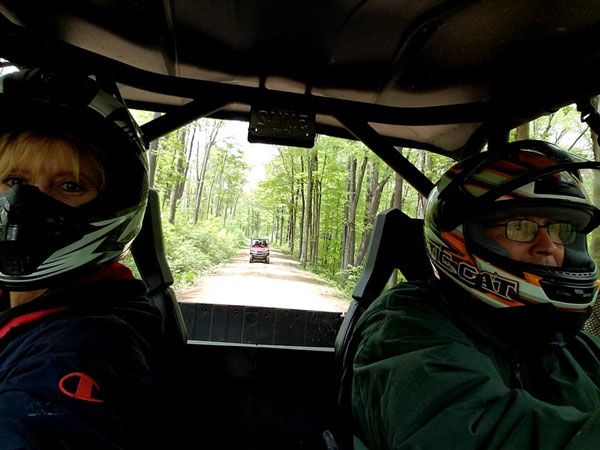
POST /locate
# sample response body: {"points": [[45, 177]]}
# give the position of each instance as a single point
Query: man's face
{"points": [[541, 250]]}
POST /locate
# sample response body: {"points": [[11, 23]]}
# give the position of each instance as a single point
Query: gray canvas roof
{"points": [[437, 75]]}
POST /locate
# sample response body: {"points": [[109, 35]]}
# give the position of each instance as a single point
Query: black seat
{"points": [[149, 254], [397, 243], [148, 251]]}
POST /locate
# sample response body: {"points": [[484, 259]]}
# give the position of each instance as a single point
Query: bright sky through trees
{"points": [[256, 155]]}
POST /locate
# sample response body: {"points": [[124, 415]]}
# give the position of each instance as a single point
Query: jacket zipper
{"points": [[517, 372]]}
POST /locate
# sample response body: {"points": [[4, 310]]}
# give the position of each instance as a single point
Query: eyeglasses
{"points": [[522, 230]]}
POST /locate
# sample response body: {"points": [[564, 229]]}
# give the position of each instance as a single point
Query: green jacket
{"points": [[421, 381]]}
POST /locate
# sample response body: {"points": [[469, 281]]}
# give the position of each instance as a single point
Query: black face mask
{"points": [[33, 226]]}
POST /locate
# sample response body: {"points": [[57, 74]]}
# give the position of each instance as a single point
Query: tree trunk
{"points": [[292, 207], [175, 193], [349, 181], [522, 132], [355, 186], [281, 227], [178, 185], [376, 189], [153, 157], [372, 181], [274, 224], [169, 185], [420, 210], [200, 175], [219, 198], [317, 223], [235, 204], [307, 214], [318, 198], [292, 221], [302, 211], [314, 252], [214, 185], [210, 196], [396, 203], [354, 205]]}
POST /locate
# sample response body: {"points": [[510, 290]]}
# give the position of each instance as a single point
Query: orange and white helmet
{"points": [[525, 178]]}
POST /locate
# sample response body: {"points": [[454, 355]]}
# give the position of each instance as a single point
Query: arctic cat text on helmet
{"points": [[522, 179], [44, 241]]}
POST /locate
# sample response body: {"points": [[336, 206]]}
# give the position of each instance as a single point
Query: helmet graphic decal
{"points": [[498, 288]]}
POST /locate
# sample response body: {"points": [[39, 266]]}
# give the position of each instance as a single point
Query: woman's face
{"points": [[55, 172]]}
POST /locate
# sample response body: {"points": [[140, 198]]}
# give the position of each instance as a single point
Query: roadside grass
{"points": [[343, 288], [196, 250]]}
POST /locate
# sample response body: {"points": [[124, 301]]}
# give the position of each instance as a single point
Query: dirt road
{"points": [[282, 283]]}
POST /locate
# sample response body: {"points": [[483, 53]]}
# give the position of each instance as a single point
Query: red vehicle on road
{"points": [[259, 250]]}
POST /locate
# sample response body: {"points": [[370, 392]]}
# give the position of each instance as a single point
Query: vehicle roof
{"points": [[438, 75]]}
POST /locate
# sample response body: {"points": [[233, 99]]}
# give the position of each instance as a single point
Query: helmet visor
{"points": [[524, 230]]}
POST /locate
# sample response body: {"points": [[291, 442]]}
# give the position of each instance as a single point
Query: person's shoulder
{"points": [[123, 301], [413, 307], [413, 290], [407, 318], [416, 296], [131, 327], [96, 311], [105, 294], [589, 344]]}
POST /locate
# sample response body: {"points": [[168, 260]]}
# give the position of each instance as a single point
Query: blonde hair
{"points": [[17, 147]]}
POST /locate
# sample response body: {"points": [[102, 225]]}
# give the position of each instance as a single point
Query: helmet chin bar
{"points": [[33, 225]]}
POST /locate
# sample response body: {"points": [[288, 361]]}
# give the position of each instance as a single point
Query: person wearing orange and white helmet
{"points": [[489, 353]]}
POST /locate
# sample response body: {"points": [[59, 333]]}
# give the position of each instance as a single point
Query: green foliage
{"points": [[196, 244], [347, 283], [563, 128], [195, 250]]}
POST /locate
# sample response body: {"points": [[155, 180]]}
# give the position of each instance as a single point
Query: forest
{"points": [[317, 204]]}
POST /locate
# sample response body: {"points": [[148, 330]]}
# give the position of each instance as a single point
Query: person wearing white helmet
{"points": [[79, 339], [489, 353]]}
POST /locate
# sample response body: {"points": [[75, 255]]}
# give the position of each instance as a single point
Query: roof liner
{"points": [[521, 58]]}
